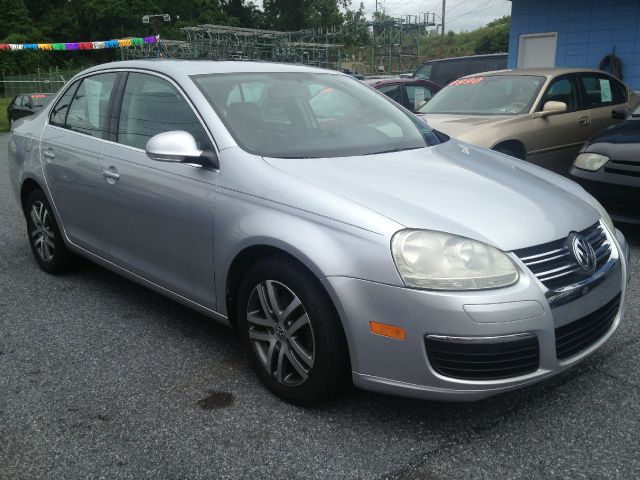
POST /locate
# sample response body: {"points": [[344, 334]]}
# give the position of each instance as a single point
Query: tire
{"points": [[45, 239], [299, 352]]}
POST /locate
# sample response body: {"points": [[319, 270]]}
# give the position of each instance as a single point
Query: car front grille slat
{"points": [[577, 336], [553, 263], [485, 359]]}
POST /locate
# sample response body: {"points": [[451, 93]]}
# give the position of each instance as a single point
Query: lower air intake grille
{"points": [[579, 335], [486, 359]]}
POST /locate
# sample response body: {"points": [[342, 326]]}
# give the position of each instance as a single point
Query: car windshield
{"points": [[492, 95], [310, 115], [636, 112], [424, 72]]}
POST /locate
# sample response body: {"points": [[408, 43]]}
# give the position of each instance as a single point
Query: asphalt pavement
{"points": [[102, 378]]}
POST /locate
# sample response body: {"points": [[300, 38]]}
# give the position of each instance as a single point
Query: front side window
{"points": [[310, 115], [58, 115], [89, 109], [394, 92], [562, 90], [601, 91], [151, 105], [491, 95]]}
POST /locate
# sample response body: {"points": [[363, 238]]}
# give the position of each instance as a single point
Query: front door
{"points": [[159, 215], [559, 137], [71, 146]]}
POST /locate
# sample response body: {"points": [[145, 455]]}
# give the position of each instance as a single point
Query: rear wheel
{"points": [[46, 242], [292, 331]]}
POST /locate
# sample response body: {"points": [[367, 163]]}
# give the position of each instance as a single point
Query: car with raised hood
{"points": [[344, 241], [542, 115], [608, 167]]}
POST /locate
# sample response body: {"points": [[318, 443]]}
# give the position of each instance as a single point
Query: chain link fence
{"points": [[43, 81]]}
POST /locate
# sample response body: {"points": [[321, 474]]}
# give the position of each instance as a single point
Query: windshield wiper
{"points": [[392, 150]]}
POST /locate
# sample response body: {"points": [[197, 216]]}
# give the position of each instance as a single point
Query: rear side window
{"points": [[89, 108], [58, 114], [418, 96], [602, 91], [150, 106]]}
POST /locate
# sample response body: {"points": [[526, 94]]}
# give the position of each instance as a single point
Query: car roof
{"points": [[382, 81], [178, 67], [466, 57], [540, 72]]}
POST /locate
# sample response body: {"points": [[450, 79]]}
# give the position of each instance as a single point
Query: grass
{"points": [[4, 122]]}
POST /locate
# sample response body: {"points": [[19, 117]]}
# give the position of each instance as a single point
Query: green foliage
{"points": [[492, 38]]}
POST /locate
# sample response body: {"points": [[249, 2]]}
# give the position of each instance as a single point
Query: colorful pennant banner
{"points": [[123, 42]]}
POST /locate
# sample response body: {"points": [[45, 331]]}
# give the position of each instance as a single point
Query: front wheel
{"points": [[45, 239], [295, 340]]}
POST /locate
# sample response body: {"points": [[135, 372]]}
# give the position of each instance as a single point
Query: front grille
{"points": [[486, 359], [623, 167], [579, 335], [553, 263]]}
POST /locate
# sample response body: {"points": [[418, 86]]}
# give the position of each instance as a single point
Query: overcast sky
{"points": [[460, 14]]}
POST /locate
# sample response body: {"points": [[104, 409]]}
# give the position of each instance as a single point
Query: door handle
{"points": [[583, 121], [48, 154], [111, 174]]}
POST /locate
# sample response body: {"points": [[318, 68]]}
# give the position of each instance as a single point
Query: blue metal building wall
{"points": [[587, 31]]}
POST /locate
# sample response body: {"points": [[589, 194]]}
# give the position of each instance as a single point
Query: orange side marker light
{"points": [[387, 330]]}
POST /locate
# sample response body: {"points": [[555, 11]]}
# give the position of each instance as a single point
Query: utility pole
{"points": [[444, 6]]}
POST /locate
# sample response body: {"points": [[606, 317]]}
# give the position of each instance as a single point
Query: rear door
{"points": [[159, 215], [71, 147], [559, 137], [602, 94]]}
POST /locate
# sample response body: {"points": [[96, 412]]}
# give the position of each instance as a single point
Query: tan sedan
{"points": [[541, 115]]}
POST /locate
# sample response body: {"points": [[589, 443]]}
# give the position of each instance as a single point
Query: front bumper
{"points": [[402, 367]]}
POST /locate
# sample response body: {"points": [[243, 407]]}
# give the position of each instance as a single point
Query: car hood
{"points": [[459, 125], [456, 188], [625, 132]]}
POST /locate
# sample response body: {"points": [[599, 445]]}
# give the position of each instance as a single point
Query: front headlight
{"points": [[590, 161], [606, 218], [441, 261]]}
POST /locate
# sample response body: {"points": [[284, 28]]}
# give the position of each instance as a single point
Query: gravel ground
{"points": [[101, 378]]}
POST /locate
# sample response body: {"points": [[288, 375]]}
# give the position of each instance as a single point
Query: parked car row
{"points": [[544, 116], [345, 238]]}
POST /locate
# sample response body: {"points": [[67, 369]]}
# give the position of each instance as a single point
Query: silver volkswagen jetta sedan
{"points": [[344, 238]]}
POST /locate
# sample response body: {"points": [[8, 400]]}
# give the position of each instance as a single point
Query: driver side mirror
{"points": [[621, 113], [551, 108], [178, 146]]}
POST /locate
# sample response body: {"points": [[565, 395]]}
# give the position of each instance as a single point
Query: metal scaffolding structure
{"points": [[395, 42], [317, 47], [394, 45], [162, 49]]}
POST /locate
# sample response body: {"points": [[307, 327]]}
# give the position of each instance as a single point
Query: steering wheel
{"points": [[332, 129], [517, 107]]}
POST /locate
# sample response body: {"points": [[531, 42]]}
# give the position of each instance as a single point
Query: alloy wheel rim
{"points": [[42, 234], [281, 333]]}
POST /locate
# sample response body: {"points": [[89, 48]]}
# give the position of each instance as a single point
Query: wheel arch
{"points": [[249, 256], [28, 186], [516, 146]]}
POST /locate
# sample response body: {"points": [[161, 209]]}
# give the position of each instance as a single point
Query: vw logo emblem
{"points": [[583, 253]]}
